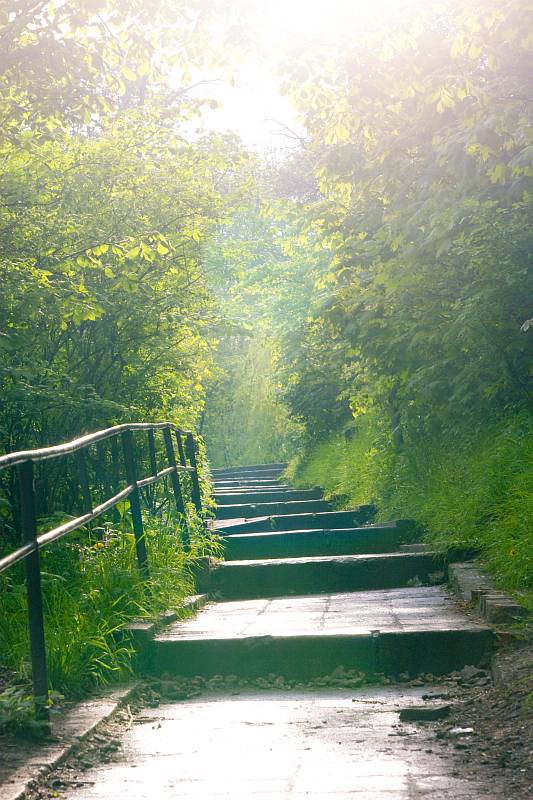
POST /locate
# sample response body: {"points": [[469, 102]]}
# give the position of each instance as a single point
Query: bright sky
{"points": [[254, 107]]}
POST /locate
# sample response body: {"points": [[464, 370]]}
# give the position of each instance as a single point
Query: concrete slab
{"points": [[332, 541], [255, 483], [280, 746], [466, 578], [265, 496], [414, 630], [245, 475], [281, 465], [261, 509], [417, 608], [289, 576], [290, 522], [259, 492]]}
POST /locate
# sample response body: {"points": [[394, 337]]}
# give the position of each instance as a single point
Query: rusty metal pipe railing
{"points": [[24, 461]]}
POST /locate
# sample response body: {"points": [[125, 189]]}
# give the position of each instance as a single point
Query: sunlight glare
{"points": [[253, 105], [318, 19]]}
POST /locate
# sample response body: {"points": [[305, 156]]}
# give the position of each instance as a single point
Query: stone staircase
{"points": [[306, 590]]}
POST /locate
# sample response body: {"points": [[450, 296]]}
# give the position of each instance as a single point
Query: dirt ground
{"points": [[500, 714]]}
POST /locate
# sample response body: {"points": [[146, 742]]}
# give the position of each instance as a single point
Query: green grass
{"points": [[91, 587], [474, 489]]}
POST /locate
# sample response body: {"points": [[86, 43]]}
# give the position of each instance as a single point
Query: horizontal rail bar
{"points": [[44, 453], [67, 527], [16, 555], [153, 478], [71, 525], [62, 530], [32, 543]]}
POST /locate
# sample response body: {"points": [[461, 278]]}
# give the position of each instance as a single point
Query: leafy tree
{"points": [[420, 132]]}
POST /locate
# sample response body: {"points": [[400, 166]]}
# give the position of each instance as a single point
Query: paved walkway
{"points": [[281, 746]]}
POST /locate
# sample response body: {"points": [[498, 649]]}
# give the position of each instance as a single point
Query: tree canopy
{"points": [[149, 264]]}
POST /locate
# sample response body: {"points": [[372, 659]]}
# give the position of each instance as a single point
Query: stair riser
{"points": [[238, 581], [314, 543], [248, 468], [266, 496], [267, 509], [320, 521], [306, 657]]}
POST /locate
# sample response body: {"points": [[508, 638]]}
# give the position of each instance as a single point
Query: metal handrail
{"points": [[79, 522], [24, 461], [44, 453]]}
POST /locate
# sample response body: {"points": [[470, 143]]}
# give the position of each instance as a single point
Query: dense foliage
{"points": [[420, 140], [422, 147], [105, 314], [108, 195]]}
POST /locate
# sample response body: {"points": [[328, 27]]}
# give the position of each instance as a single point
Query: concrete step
{"points": [[249, 475], [299, 576], [259, 483], [265, 496], [291, 522], [413, 630], [321, 542], [251, 510], [281, 465]]}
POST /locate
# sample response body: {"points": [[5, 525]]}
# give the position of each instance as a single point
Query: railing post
{"points": [[135, 503], [34, 591], [102, 472], [115, 465], [180, 505], [195, 493], [150, 490], [83, 476], [181, 451], [115, 473]]}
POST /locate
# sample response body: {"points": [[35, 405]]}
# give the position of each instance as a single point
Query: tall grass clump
{"points": [[92, 587], [348, 470], [468, 489]]}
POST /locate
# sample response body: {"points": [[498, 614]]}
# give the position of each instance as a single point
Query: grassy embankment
{"points": [[472, 491]]}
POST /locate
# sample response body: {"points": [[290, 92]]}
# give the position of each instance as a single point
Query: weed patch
{"points": [[91, 587]]}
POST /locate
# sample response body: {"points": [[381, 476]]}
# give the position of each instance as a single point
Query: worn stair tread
{"points": [[276, 563], [245, 480], [325, 574], [288, 522], [276, 465], [283, 508], [265, 496], [314, 542], [243, 474], [250, 484], [350, 613], [274, 535], [414, 630]]}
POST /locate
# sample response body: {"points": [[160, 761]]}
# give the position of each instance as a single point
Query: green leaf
{"points": [[129, 74]]}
